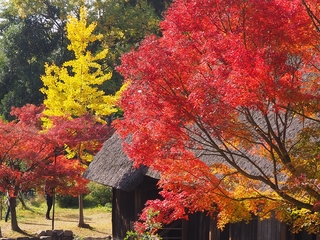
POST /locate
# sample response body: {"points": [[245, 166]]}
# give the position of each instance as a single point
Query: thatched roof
{"points": [[112, 167]]}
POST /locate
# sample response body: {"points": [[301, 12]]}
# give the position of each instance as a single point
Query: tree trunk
{"points": [[81, 218], [14, 222], [1, 199]]}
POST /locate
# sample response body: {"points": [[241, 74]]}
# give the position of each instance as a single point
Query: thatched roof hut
{"points": [[132, 187]]}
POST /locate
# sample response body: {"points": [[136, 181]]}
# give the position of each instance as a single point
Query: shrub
{"points": [[99, 195], [67, 201]]}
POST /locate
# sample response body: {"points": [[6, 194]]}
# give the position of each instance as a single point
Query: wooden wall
{"points": [[128, 205], [270, 229], [122, 213]]}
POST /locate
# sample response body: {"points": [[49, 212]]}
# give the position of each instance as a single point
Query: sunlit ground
{"points": [[32, 221]]}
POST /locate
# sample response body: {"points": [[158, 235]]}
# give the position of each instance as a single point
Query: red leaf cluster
{"points": [[31, 157], [226, 78]]}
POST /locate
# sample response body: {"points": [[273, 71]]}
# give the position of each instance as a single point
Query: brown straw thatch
{"points": [[112, 167]]}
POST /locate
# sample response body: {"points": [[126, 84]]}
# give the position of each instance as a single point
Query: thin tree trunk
{"points": [[81, 218], [53, 208], [1, 208], [80, 199]]}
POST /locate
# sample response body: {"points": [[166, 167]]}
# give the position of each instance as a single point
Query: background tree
{"points": [[72, 90], [38, 7], [30, 158], [124, 24], [81, 138], [26, 44], [226, 107], [35, 31]]}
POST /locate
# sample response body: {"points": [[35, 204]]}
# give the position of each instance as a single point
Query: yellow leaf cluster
{"points": [[73, 89], [80, 34]]}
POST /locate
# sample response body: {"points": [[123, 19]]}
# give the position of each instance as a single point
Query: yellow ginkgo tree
{"points": [[72, 90]]}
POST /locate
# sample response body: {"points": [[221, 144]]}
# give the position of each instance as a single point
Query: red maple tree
{"points": [[32, 157], [225, 104]]}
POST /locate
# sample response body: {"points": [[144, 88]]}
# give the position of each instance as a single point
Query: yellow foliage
{"points": [[81, 35], [72, 89]]}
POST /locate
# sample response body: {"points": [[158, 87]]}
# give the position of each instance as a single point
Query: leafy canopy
{"points": [[73, 92], [32, 156], [73, 88], [226, 106], [34, 40]]}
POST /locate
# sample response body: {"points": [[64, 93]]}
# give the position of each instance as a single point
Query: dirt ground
{"points": [[65, 219]]}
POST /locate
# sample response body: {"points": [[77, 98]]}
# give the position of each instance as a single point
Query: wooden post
{"points": [[1, 208], [53, 208], [184, 232]]}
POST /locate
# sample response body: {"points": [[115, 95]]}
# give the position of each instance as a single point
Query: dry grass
{"points": [[33, 220]]}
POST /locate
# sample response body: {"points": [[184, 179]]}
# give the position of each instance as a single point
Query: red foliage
{"points": [[225, 79], [31, 157], [29, 115]]}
